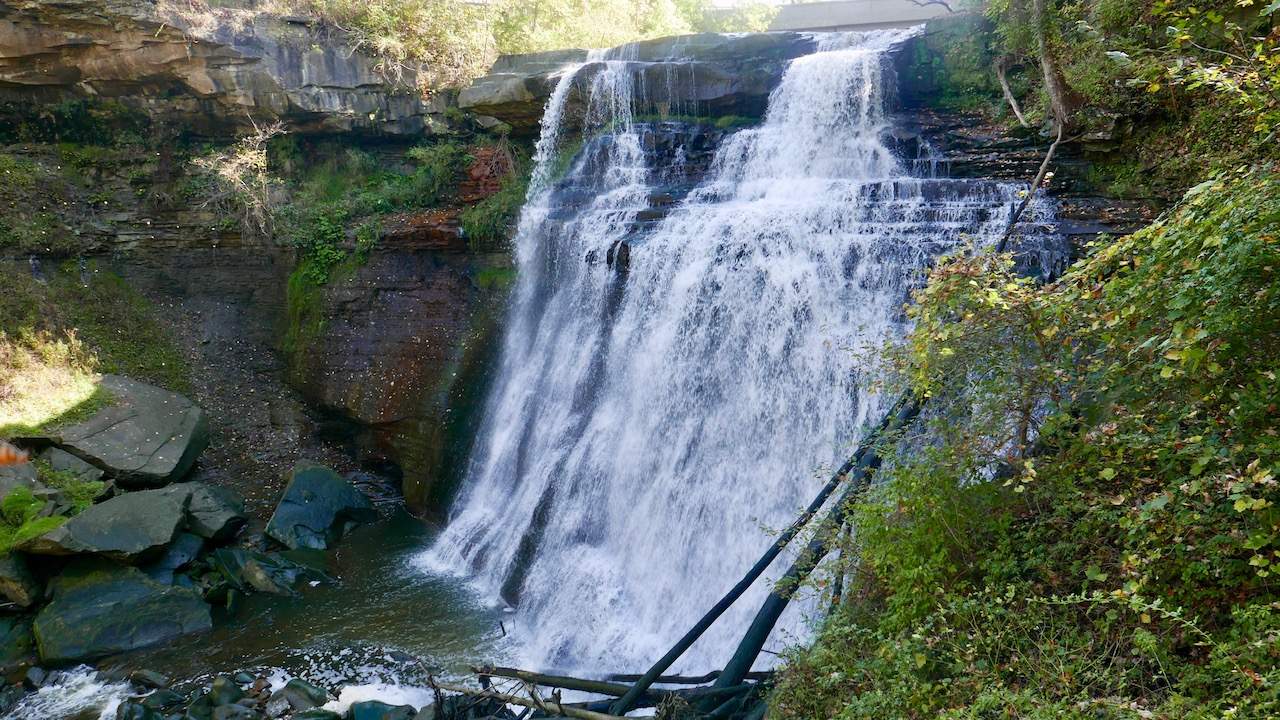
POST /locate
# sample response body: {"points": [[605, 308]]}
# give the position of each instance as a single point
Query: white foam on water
{"points": [[77, 693]]}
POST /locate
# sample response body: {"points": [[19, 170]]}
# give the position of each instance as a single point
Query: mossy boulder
{"points": [[131, 527], [17, 644], [317, 508], [99, 608]]}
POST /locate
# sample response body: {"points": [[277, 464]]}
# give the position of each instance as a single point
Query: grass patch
{"points": [[79, 494], [20, 519], [57, 337]]}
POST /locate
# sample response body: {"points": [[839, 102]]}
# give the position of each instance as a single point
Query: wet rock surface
{"points": [[317, 508], [100, 608], [704, 74]]}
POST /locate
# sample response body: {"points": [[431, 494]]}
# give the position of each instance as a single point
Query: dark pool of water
{"points": [[382, 621]]}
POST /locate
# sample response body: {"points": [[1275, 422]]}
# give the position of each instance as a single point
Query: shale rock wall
{"points": [[214, 71]]}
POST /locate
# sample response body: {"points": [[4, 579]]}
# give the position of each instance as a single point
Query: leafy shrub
{"points": [[488, 223], [1086, 523]]}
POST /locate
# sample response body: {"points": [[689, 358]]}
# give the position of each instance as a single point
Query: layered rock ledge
{"points": [[218, 70]]}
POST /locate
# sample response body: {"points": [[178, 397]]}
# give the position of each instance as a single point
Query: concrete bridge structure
{"points": [[857, 14]]}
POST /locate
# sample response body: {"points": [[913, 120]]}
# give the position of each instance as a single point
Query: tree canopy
{"points": [[457, 40]]}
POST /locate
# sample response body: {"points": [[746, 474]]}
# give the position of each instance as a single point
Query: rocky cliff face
{"points": [[399, 330], [703, 74], [213, 71]]}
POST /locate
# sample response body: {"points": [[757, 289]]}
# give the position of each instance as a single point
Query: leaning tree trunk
{"points": [[1060, 99]]}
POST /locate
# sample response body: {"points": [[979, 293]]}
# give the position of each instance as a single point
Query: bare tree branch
{"points": [[1002, 66]]}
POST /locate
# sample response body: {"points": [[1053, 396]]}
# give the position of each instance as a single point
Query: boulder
{"points": [[317, 507], [224, 691], [99, 608], [130, 710], [147, 437], [164, 699], [17, 644], [63, 461], [375, 710], [299, 695], [130, 527], [13, 477], [179, 554], [317, 714], [17, 584], [214, 512], [234, 712]]}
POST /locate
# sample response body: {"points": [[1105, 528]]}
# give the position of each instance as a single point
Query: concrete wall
{"points": [[854, 15]]}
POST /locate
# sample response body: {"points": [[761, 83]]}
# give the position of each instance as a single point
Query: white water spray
{"points": [[648, 431]]}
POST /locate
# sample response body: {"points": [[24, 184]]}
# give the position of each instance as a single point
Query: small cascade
{"points": [[681, 367]]}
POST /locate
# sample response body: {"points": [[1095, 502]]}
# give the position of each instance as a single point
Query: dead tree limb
{"points": [[1002, 67], [627, 701], [553, 708], [1026, 199], [560, 681], [767, 617], [927, 3], [686, 679]]}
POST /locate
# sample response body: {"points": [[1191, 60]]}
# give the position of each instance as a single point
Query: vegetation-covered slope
{"points": [[1085, 525], [1122, 561]]}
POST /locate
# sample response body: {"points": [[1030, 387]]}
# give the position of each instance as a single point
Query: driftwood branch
{"points": [[686, 679], [557, 681], [627, 701], [553, 708], [767, 617]]}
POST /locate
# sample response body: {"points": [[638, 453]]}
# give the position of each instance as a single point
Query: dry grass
{"points": [[56, 336], [43, 377]]}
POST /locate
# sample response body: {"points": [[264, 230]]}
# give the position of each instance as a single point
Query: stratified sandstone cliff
{"points": [[210, 70]]}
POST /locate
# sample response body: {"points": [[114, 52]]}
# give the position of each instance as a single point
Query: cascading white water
{"points": [[647, 432]]}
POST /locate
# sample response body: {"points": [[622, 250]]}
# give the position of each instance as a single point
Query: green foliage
{"points": [[488, 223], [56, 335], [86, 122], [534, 25], [953, 65], [349, 191], [1189, 89], [20, 520], [1086, 524], [456, 41], [451, 39], [79, 494]]}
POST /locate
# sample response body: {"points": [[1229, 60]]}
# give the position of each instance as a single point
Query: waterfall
{"points": [[655, 420]]}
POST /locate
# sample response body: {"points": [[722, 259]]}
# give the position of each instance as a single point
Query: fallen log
{"points": [[767, 617], [655, 697], [548, 706], [627, 701], [597, 687], [685, 679]]}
